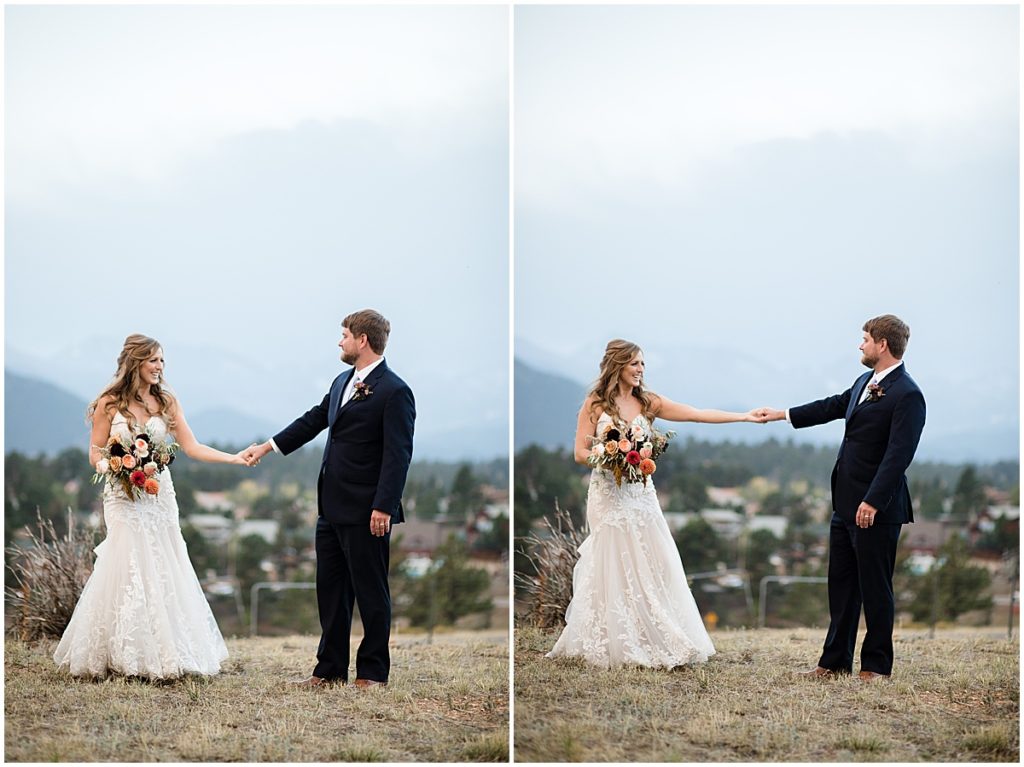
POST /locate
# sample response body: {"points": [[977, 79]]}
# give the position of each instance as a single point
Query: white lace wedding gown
{"points": [[630, 603], [142, 611]]}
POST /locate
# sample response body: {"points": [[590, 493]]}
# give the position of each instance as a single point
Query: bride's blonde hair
{"points": [[617, 354], [124, 388]]}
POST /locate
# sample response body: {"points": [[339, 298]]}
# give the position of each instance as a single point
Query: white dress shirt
{"points": [[360, 375], [877, 379]]}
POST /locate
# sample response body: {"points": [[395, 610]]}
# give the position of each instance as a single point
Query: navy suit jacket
{"points": [[368, 451], [879, 443]]}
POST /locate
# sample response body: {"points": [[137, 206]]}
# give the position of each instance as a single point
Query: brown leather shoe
{"points": [[315, 681], [819, 673], [871, 676], [365, 684]]}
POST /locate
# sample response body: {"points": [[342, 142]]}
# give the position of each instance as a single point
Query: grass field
{"points": [[447, 701], [952, 698]]}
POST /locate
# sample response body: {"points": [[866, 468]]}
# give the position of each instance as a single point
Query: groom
{"points": [[884, 412], [369, 413]]}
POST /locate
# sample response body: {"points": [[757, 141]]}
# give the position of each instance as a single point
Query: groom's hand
{"points": [[770, 414], [380, 523], [254, 453], [866, 514]]}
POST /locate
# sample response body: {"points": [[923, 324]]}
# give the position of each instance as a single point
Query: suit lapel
{"points": [[886, 383], [858, 390], [370, 380], [336, 393]]}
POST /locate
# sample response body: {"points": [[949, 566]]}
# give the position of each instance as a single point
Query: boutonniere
{"points": [[875, 392], [361, 391]]}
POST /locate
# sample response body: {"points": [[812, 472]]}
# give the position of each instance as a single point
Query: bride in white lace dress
{"points": [[142, 611], [631, 603]]}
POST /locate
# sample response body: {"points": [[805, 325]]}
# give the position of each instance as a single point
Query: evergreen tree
{"points": [[969, 495], [450, 589], [962, 587], [465, 497], [701, 548]]}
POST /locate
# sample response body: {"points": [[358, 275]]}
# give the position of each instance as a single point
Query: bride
{"points": [[142, 611], [631, 603]]}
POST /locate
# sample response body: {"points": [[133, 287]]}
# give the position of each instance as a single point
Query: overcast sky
{"points": [[239, 178], [761, 180]]}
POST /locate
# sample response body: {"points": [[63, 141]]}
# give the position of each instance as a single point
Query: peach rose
{"points": [[152, 486], [647, 466], [128, 462], [611, 448], [624, 445], [115, 463], [646, 452], [150, 469]]}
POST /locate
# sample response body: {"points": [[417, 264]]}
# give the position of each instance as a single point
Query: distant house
{"points": [[773, 523], [926, 535], [419, 537], [1003, 510], [213, 501], [725, 522], [725, 497], [213, 527], [267, 529]]}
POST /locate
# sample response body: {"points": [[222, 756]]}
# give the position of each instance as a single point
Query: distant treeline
{"points": [[53, 484]]}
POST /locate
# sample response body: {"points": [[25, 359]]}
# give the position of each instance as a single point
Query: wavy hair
{"points": [[617, 354], [124, 388]]}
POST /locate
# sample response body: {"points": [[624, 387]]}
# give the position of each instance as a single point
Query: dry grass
{"points": [[445, 702], [952, 698]]}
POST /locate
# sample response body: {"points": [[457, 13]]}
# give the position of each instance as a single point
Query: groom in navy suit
{"points": [[884, 412], [369, 414]]}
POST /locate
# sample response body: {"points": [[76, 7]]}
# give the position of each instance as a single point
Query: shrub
{"points": [[553, 553], [49, 573]]}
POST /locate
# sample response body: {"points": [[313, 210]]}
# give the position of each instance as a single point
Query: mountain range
{"points": [[232, 399], [549, 388]]}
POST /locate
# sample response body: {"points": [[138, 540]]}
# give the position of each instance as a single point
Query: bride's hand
{"points": [[238, 459], [757, 416]]}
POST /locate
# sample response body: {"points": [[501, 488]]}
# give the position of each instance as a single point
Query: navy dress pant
{"points": [[352, 569], [860, 568]]}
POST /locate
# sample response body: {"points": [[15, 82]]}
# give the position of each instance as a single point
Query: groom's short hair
{"points": [[372, 324], [894, 330]]}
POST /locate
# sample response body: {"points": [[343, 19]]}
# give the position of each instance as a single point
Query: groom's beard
{"points": [[869, 362], [349, 359]]}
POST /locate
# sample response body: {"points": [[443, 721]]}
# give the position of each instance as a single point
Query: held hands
{"points": [[252, 454], [766, 414]]}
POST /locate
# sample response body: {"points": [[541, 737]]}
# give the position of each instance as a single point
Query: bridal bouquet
{"points": [[135, 464], [628, 452]]}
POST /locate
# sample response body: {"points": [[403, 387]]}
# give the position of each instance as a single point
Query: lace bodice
{"points": [[156, 424], [160, 510], [640, 421]]}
